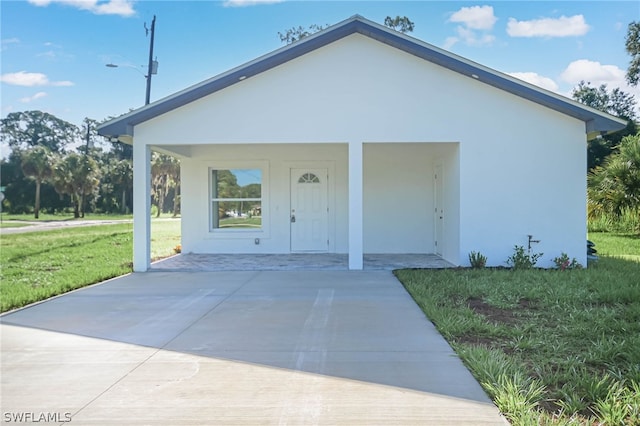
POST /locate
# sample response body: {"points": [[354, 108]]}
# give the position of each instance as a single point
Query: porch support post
{"points": [[355, 206], [141, 207]]}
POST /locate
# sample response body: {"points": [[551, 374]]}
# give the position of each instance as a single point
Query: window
{"points": [[236, 199], [308, 178]]}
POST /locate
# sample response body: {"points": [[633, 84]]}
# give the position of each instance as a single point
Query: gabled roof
{"points": [[596, 122]]}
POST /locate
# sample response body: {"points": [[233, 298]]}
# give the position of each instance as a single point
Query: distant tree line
{"points": [[55, 166]]}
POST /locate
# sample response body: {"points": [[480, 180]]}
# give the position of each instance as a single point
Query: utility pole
{"points": [[152, 64]]}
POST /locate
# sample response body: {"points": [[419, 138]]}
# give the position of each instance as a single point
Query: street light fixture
{"points": [[152, 68]]}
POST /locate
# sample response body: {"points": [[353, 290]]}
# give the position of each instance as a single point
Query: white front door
{"points": [[438, 208], [309, 216]]}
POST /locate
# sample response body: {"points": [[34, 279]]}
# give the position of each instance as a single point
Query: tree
{"points": [[122, 177], [632, 45], [37, 165], [294, 34], [615, 186], [165, 175], [402, 24], [23, 130], [77, 176], [614, 102]]}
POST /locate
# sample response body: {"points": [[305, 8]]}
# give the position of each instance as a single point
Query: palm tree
{"points": [[122, 176], [615, 186], [76, 175], [36, 164]]}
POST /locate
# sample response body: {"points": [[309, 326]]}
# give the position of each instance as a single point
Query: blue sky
{"points": [[54, 52]]}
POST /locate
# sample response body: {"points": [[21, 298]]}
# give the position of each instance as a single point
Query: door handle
{"points": [[293, 218]]}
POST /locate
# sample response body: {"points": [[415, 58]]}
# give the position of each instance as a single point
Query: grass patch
{"points": [[623, 245], [165, 235], [47, 217], [37, 265], [549, 346], [13, 224]]}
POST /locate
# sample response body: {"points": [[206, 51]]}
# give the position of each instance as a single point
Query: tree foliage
{"points": [[165, 177], [614, 102], [36, 164], [294, 34], [76, 175], [92, 177], [402, 24], [615, 186], [23, 130], [632, 45]]}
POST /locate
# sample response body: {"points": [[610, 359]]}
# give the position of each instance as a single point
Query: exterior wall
{"points": [[518, 167], [399, 196], [531, 182], [276, 162]]}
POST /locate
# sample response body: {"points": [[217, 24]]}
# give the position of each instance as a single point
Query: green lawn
{"points": [[46, 217], [617, 244], [550, 347], [38, 265], [13, 224]]}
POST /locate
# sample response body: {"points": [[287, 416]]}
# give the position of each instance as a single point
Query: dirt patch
{"points": [[505, 316], [492, 313]]}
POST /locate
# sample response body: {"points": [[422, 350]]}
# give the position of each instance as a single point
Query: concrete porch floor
{"points": [[189, 262]]}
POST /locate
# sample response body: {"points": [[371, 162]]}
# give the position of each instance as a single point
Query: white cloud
{"points": [[30, 79], [244, 3], [29, 99], [6, 42], [537, 80], [475, 17], [598, 74], [548, 27], [477, 22], [594, 72], [109, 7]]}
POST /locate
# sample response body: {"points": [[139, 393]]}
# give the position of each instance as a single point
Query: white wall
{"points": [[520, 168], [399, 196]]}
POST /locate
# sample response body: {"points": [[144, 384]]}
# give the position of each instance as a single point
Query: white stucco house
{"points": [[359, 139]]}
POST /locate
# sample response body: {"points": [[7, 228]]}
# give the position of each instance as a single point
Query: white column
{"points": [[355, 206], [141, 207]]}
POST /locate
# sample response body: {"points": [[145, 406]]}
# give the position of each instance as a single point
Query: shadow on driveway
{"points": [[274, 347]]}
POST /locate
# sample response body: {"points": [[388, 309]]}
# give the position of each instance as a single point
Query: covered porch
{"points": [[294, 262]]}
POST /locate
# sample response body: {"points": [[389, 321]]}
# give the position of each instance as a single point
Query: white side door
{"points": [[438, 214], [309, 216]]}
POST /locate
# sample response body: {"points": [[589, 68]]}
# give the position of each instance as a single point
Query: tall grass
{"points": [[551, 347], [627, 222]]}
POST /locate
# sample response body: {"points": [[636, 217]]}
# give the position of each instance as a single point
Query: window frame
{"points": [[239, 232]]}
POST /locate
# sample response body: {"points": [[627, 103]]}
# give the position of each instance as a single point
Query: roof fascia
{"points": [[595, 120]]}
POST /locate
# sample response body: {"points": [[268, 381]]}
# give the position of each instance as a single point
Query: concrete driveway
{"points": [[221, 348]]}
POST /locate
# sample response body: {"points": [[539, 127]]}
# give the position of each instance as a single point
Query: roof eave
{"points": [[596, 122]]}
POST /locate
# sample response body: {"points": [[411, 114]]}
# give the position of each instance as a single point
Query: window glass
{"points": [[236, 199]]}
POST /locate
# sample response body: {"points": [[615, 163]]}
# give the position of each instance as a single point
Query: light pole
{"points": [[152, 64], [152, 68]]}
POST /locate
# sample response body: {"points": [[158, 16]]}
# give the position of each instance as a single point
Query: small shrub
{"points": [[522, 259], [563, 262], [477, 260]]}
